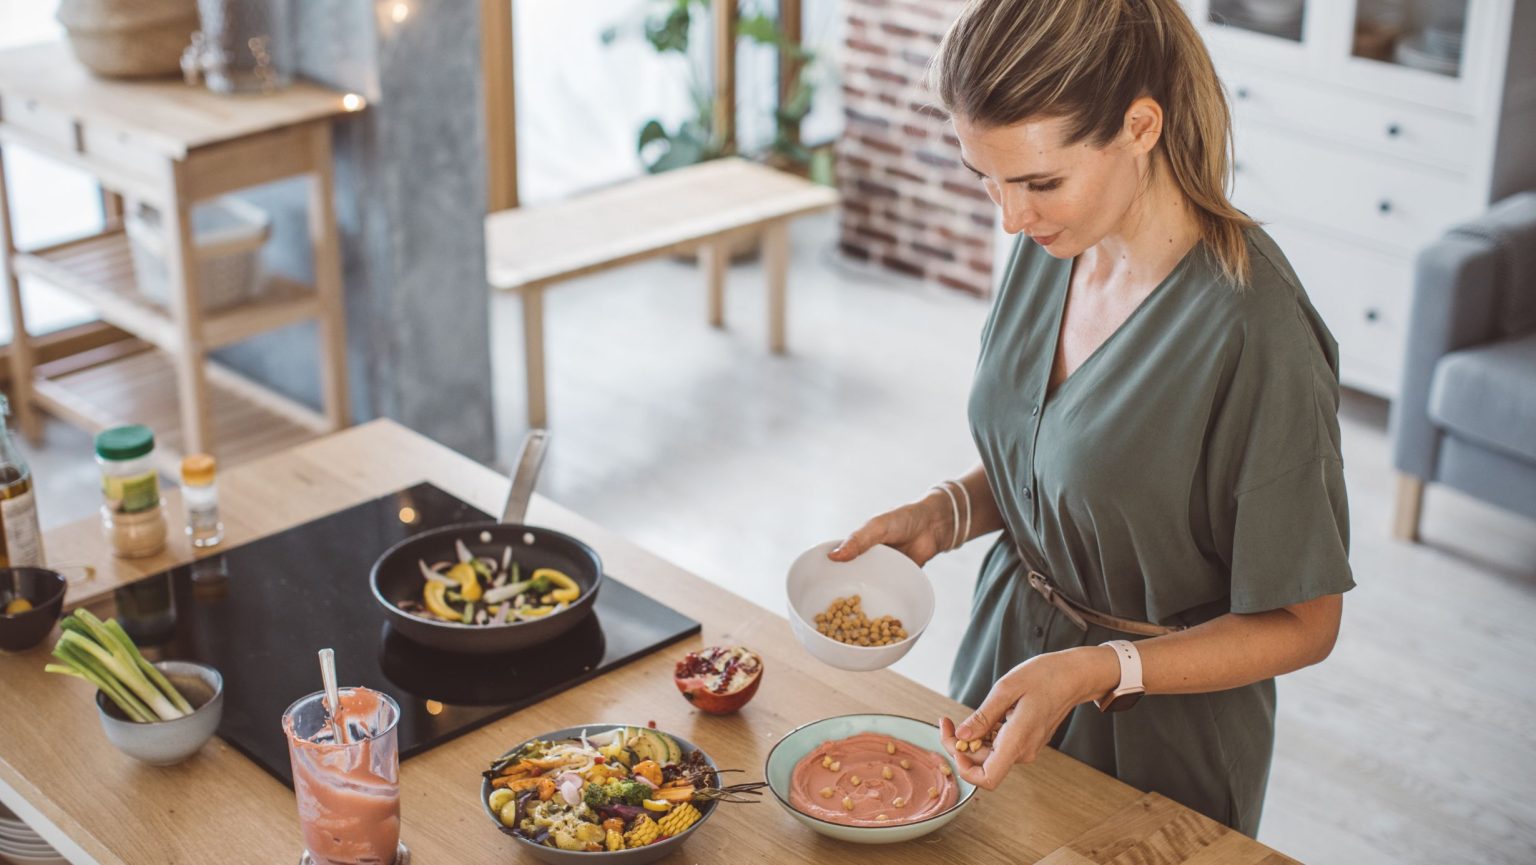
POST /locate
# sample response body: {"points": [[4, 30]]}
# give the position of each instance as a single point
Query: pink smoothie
{"points": [[349, 792]]}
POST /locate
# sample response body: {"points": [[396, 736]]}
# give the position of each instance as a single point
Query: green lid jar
{"points": [[128, 480], [124, 443]]}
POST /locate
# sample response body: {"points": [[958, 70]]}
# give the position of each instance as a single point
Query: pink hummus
{"points": [[845, 782], [349, 794]]}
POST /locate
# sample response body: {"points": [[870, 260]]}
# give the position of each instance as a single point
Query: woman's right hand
{"points": [[920, 530]]}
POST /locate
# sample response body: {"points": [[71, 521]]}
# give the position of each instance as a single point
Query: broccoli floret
{"points": [[617, 792], [542, 586]]}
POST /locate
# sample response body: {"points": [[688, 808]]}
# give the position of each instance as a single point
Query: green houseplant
{"points": [[667, 26]]}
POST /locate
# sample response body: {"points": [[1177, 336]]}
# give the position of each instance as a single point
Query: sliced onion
{"points": [[434, 576], [604, 738], [646, 781], [463, 551]]}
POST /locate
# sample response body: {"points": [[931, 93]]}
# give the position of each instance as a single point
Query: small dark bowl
{"points": [[637, 856], [45, 589]]}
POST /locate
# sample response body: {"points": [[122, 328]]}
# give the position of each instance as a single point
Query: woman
{"points": [[1155, 407]]}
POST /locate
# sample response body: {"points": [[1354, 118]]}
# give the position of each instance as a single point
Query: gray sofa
{"points": [[1465, 415]]}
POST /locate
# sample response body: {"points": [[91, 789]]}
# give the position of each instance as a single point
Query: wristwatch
{"points": [[1130, 688]]}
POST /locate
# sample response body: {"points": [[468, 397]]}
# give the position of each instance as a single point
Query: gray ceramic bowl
{"points": [[164, 743], [637, 856]]}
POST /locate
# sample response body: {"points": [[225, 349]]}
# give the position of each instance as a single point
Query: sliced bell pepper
{"points": [[468, 579], [535, 611], [436, 597], [566, 591]]}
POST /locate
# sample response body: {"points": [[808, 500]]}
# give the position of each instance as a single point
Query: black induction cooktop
{"points": [[258, 613]]}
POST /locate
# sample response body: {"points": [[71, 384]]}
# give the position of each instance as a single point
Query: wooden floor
{"points": [[1414, 743]]}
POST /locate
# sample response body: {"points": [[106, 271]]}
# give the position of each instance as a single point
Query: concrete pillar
{"points": [[410, 196]]}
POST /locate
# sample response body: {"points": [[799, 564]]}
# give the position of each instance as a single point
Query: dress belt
{"points": [[1082, 616]]}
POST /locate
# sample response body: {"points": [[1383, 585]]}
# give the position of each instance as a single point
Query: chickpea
{"points": [[886, 773]]}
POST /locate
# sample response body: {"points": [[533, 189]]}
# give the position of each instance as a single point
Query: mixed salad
{"points": [[620, 789], [482, 590]]}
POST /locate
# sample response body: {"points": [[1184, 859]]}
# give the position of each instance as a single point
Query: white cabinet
{"points": [[1365, 128]]}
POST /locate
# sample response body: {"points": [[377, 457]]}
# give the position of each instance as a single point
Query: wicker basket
{"points": [[129, 38], [227, 238]]}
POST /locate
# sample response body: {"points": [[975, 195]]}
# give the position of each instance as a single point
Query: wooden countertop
{"points": [[99, 806], [164, 113]]}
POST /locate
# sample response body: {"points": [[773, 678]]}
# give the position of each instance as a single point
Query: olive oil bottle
{"points": [[21, 542]]}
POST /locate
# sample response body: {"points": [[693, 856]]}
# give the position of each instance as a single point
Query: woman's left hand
{"points": [[1030, 702]]}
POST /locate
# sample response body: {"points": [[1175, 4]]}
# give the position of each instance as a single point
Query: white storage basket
{"points": [[227, 237]]}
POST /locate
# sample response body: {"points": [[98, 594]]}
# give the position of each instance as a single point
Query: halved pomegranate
{"points": [[719, 679]]}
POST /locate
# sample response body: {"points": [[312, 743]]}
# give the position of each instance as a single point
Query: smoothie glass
{"points": [[348, 789]]}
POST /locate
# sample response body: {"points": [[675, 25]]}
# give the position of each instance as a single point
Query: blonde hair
{"points": [[1086, 61]]}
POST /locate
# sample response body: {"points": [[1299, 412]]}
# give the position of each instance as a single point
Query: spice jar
{"points": [[132, 512], [201, 498]]}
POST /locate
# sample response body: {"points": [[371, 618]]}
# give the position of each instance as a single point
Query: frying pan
{"points": [[396, 576]]}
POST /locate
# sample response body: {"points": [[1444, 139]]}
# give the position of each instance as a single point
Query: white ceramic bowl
{"points": [[165, 743], [797, 743], [888, 584]]}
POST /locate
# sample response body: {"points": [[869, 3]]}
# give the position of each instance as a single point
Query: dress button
{"points": [[1039, 631], [1027, 493], [1034, 410]]}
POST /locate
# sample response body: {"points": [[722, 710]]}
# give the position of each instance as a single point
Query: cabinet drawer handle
{"points": [[1372, 315], [1394, 130], [1385, 206], [1241, 93]]}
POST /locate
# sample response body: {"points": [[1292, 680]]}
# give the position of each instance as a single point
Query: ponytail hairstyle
{"points": [[1006, 61]]}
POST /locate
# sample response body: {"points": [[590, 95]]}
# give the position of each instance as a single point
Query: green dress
{"points": [[1188, 468]]}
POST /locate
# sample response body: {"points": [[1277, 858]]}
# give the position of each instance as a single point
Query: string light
{"points": [[353, 102], [399, 11]]}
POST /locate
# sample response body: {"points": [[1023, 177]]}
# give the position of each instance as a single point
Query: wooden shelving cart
{"points": [[171, 146]]}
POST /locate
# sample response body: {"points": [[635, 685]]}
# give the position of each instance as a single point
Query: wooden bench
{"points": [[703, 207]]}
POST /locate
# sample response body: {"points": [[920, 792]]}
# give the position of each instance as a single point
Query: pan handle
{"points": [[525, 474]]}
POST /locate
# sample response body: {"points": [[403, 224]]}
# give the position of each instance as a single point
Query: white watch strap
{"points": [[1130, 666]]}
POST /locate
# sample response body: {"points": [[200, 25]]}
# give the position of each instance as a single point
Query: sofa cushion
{"points": [[1510, 227], [1487, 394]]}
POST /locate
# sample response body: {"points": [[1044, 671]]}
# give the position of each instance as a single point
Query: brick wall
{"points": [[908, 203]]}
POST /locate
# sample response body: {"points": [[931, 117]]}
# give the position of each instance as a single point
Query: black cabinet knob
{"points": [[1385, 206], [1242, 93], [1394, 130], [1372, 315]]}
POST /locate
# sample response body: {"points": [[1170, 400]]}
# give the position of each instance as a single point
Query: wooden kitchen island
{"points": [[95, 804]]}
